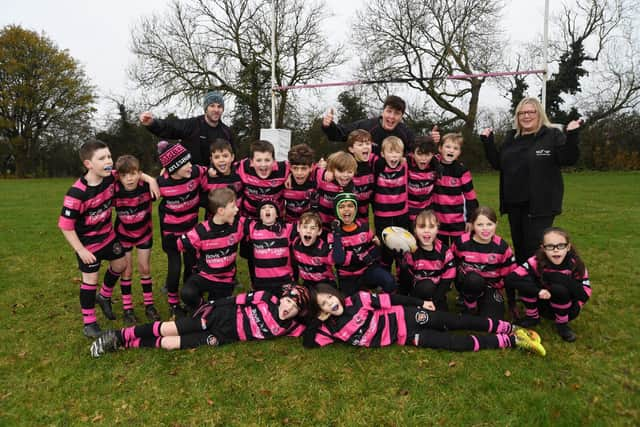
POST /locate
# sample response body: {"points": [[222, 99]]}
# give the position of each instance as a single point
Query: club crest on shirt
{"points": [[454, 181], [422, 317], [117, 248], [212, 340], [358, 319], [492, 258]]}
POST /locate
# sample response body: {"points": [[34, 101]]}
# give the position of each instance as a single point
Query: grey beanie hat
{"points": [[211, 98]]}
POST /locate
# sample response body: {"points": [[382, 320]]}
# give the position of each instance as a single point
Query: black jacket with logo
{"points": [[194, 134], [548, 151]]}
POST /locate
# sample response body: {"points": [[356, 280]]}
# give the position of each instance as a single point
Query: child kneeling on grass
{"points": [[554, 280], [370, 320], [244, 317]]}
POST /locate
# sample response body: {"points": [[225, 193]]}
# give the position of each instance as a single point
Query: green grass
{"points": [[48, 377]]}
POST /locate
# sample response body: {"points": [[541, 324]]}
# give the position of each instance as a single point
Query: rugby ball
{"points": [[397, 238]]}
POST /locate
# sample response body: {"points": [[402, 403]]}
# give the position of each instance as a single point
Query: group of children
{"points": [[304, 231]]}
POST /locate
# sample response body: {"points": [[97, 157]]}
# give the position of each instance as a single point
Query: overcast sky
{"points": [[97, 34]]}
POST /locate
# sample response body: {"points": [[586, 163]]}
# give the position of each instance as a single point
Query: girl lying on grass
{"points": [[371, 320], [553, 281], [244, 317]]}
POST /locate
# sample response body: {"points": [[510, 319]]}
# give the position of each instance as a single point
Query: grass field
{"points": [[48, 377]]}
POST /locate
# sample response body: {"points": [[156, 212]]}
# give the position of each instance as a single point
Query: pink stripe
{"points": [[561, 306], [532, 312], [562, 319], [529, 299], [128, 334], [88, 286], [476, 343], [88, 315], [239, 325], [491, 324], [156, 329]]}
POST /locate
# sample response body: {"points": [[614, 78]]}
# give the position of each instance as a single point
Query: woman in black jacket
{"points": [[529, 162]]}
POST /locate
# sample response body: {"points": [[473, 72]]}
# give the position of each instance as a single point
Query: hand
{"points": [[486, 132], [287, 182], [429, 305], [323, 316], [328, 176], [322, 163], [336, 225], [327, 119], [467, 227], [435, 134], [212, 172], [574, 124], [375, 241], [544, 294], [86, 256], [154, 189], [146, 118]]}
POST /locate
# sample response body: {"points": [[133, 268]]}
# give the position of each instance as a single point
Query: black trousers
{"points": [[526, 231]]}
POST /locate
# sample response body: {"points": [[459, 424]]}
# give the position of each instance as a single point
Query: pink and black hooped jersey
{"points": [[420, 187], [86, 209], [327, 192], [314, 263], [133, 214], [368, 320], [256, 317], [437, 265], [216, 247], [180, 201], [271, 253], [256, 189], [493, 261], [359, 251], [223, 181], [454, 198], [551, 271], [300, 198], [390, 196], [364, 185]]}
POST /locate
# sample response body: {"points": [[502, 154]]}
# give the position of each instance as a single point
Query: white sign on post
{"points": [[281, 140]]}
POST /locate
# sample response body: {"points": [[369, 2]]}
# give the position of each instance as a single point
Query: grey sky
{"points": [[97, 34]]}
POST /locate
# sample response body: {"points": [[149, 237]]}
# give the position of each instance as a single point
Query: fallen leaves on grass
{"points": [[507, 373], [452, 364]]}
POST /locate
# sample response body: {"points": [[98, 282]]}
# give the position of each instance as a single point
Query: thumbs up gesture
{"points": [[435, 134], [327, 119]]}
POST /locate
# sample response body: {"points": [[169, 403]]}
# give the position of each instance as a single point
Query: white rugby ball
{"points": [[397, 238]]}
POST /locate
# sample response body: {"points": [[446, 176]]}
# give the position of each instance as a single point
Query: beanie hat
{"points": [[211, 98], [300, 295], [173, 157], [344, 197]]}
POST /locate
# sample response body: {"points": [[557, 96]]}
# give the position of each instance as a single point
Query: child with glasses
{"points": [[554, 280]]}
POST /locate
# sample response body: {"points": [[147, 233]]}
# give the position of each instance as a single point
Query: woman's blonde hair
{"points": [[543, 120]]}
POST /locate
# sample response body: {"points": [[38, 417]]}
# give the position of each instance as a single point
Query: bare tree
{"points": [[428, 40], [226, 45]]}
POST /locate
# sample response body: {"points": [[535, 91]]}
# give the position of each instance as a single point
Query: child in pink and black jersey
{"points": [[359, 144], [244, 317], [337, 178], [301, 195], [312, 255], [355, 250], [554, 280], [484, 259], [85, 222], [431, 267], [370, 320], [224, 173], [269, 240], [133, 226], [390, 203], [215, 242], [454, 198], [424, 171], [262, 178], [180, 186]]}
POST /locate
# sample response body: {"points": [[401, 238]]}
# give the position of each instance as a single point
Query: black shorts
{"points": [[111, 251], [148, 244]]}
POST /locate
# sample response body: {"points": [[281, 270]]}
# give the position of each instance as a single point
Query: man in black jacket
{"points": [[389, 123], [195, 133]]}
